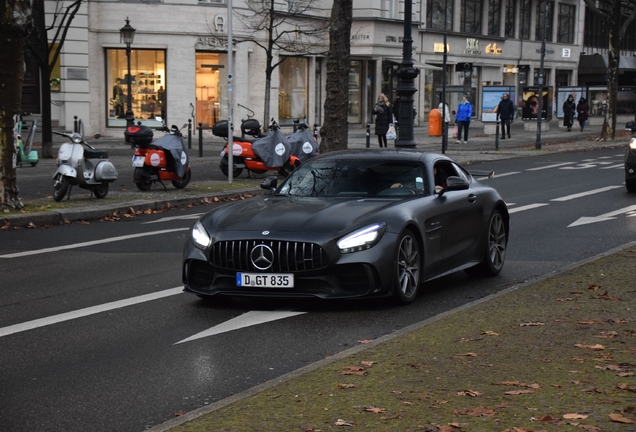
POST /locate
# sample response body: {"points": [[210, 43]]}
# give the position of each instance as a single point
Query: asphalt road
{"points": [[83, 349]]}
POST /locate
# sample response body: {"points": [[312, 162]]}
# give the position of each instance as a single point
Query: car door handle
{"points": [[472, 198]]}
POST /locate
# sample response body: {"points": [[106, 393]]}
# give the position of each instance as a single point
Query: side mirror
{"points": [[269, 183], [454, 183]]}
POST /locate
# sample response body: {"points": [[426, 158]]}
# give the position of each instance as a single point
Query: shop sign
{"points": [[566, 52], [493, 49], [438, 47], [360, 37], [394, 39], [219, 23], [211, 42], [548, 51], [472, 46]]}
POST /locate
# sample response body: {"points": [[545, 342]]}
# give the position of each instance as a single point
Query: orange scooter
{"points": [[271, 152]]}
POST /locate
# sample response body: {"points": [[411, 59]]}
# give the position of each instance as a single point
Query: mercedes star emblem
{"points": [[262, 257]]}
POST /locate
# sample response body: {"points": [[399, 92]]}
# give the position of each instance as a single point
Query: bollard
{"points": [[200, 139], [296, 122], [368, 134], [497, 135], [75, 126], [189, 134]]}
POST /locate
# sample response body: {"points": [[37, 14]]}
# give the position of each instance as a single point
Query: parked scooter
{"points": [[30, 155], [164, 159], [271, 152], [83, 165]]}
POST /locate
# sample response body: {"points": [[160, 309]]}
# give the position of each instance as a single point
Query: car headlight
{"points": [[632, 143], [200, 236], [361, 239]]}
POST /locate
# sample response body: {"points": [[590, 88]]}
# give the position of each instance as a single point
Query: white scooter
{"points": [[83, 165]]}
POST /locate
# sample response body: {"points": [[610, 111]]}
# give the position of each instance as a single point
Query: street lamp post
{"points": [[127, 35], [443, 98], [406, 87], [537, 144]]}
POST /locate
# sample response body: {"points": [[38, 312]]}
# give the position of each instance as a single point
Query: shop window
{"points": [[565, 31], [293, 92], [494, 17], [147, 81], [526, 11], [355, 94], [211, 87], [56, 74], [511, 15]]}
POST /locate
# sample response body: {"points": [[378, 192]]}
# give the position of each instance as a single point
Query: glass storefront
{"points": [[293, 91], [355, 95], [148, 86], [211, 87]]}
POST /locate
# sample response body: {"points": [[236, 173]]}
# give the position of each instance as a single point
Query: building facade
{"points": [[180, 53]]}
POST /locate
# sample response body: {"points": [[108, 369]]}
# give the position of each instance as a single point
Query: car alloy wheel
{"points": [[408, 263], [497, 240]]}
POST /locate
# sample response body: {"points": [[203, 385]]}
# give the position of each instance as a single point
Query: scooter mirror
{"points": [[97, 135]]}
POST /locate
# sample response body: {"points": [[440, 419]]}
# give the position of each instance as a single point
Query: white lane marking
{"points": [[550, 166], [602, 218], [30, 325], [90, 243], [248, 319], [584, 194], [507, 174], [171, 218], [527, 207], [621, 166]]}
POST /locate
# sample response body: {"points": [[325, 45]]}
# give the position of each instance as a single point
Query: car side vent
{"points": [[287, 256]]}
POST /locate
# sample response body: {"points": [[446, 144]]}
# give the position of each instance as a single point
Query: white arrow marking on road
{"points": [[171, 218], [30, 325], [246, 320], [526, 207], [602, 218], [584, 194], [90, 243]]}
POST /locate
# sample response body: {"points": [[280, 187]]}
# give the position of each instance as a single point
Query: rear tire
{"points": [[101, 190], [408, 264], [60, 187], [495, 254], [184, 180], [630, 184], [224, 168], [144, 183]]}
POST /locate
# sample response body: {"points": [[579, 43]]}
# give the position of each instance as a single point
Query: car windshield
{"points": [[355, 177]]}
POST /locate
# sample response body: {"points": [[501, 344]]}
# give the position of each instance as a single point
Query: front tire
{"points": [[495, 254], [101, 190], [408, 264], [224, 168], [630, 184], [61, 185], [184, 180]]}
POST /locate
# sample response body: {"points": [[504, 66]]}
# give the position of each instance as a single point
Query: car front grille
{"points": [[288, 256]]}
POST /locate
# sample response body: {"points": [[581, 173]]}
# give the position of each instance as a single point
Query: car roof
{"points": [[381, 154]]}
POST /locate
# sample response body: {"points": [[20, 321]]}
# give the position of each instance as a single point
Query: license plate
{"points": [[138, 161], [262, 280]]}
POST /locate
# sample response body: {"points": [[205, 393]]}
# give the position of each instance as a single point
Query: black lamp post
{"points": [[443, 98], [127, 35], [406, 87], [537, 144]]}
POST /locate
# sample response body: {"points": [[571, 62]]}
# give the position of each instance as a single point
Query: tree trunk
{"points": [[613, 64], [11, 77], [335, 129]]}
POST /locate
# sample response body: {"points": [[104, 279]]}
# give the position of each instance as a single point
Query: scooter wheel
{"points": [[224, 163], [101, 190], [34, 163], [60, 187], [184, 180], [143, 183]]}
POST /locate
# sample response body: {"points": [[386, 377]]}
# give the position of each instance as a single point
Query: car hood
{"points": [[287, 214]]}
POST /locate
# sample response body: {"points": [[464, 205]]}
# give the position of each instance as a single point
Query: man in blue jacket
{"points": [[464, 113]]}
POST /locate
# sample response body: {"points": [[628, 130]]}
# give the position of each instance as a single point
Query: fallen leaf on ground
{"points": [[518, 392], [374, 409], [604, 296], [480, 411], [615, 417], [596, 347], [472, 393], [575, 416], [531, 324], [590, 322], [364, 341], [341, 422], [354, 370], [346, 386], [468, 354]]}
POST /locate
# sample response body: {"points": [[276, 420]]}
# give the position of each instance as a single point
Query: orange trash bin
{"points": [[434, 123]]}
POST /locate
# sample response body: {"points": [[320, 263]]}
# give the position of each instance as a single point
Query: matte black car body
{"points": [[423, 233], [630, 159]]}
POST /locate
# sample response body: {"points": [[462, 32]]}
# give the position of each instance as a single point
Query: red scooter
{"points": [[271, 152], [163, 160]]}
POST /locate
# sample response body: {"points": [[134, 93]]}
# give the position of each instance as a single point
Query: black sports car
{"points": [[630, 159], [351, 224]]}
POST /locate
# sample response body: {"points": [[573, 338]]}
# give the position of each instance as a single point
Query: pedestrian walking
{"points": [[583, 110], [383, 118], [443, 108], [464, 113], [505, 113], [569, 108]]}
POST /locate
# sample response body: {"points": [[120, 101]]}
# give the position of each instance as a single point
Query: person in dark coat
{"points": [[383, 117], [569, 109], [583, 110], [505, 113]]}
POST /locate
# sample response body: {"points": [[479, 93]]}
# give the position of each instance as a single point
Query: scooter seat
{"points": [[95, 154]]}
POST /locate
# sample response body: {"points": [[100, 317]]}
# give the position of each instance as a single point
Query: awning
{"points": [[592, 65], [627, 64], [416, 64]]}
